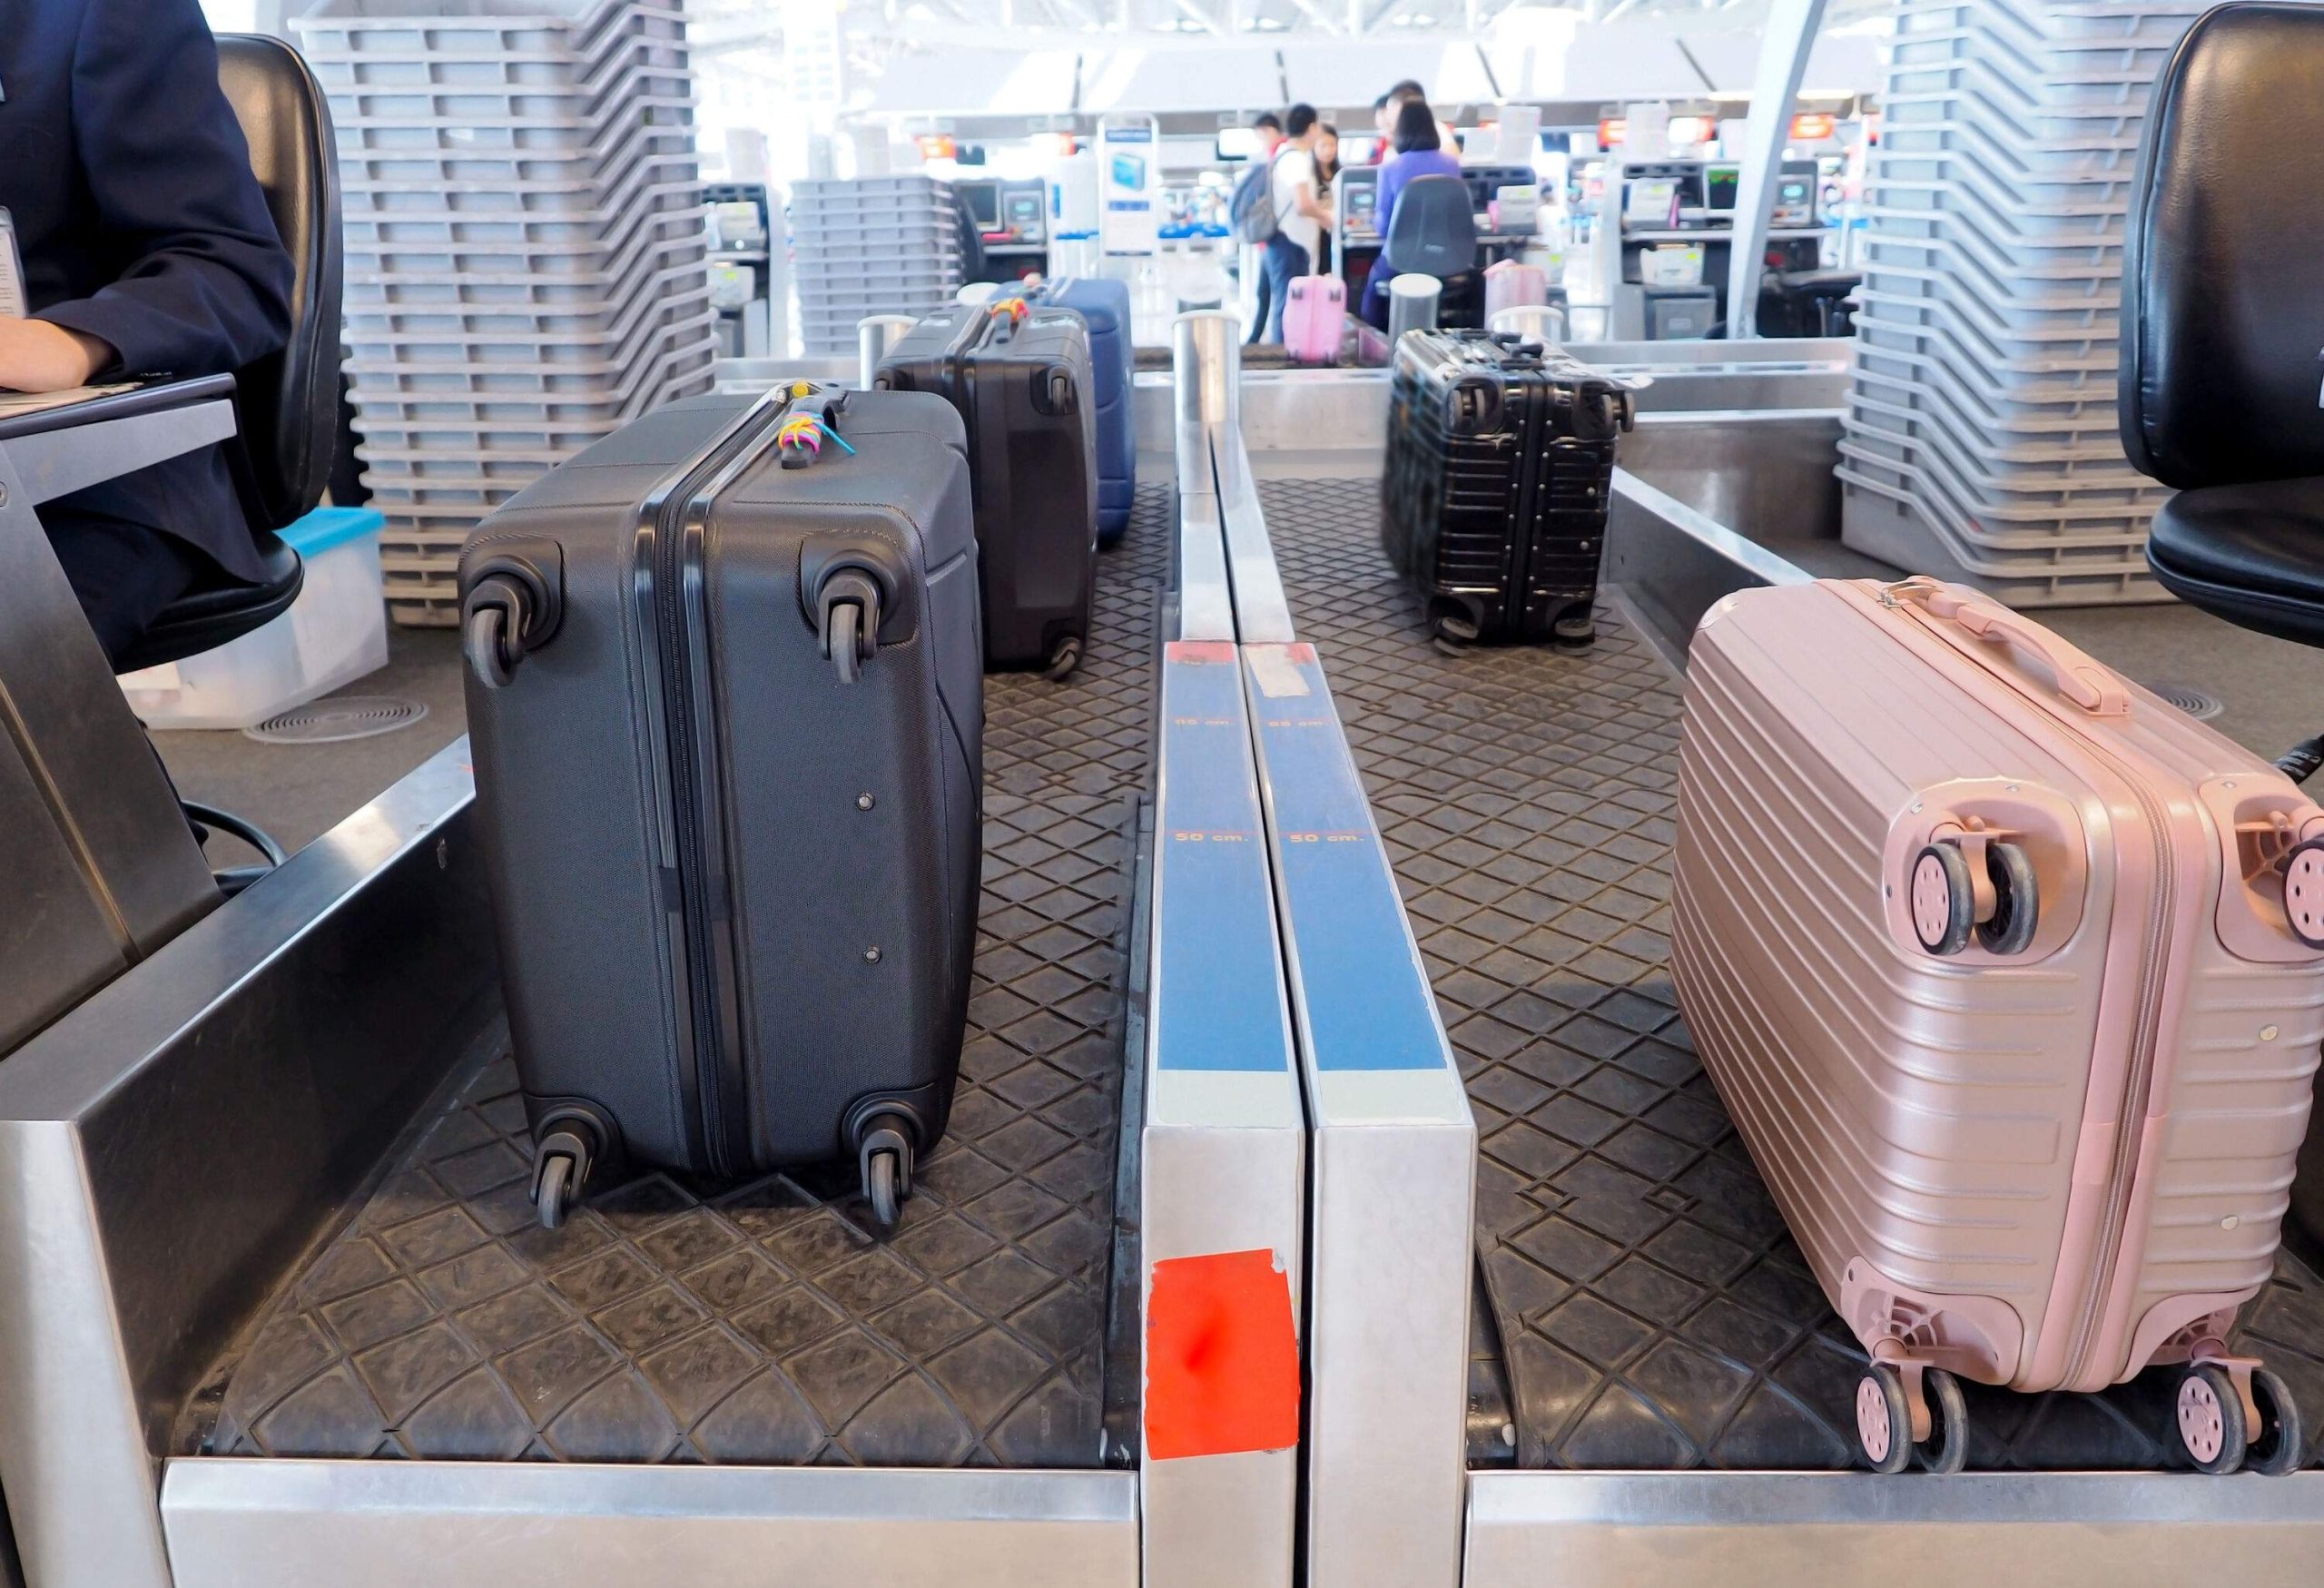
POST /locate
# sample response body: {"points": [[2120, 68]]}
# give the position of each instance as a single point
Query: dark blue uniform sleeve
{"points": [[208, 288]]}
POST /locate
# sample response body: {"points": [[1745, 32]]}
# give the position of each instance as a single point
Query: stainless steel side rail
{"points": [[1803, 1530], [1395, 1159], [170, 1147]]}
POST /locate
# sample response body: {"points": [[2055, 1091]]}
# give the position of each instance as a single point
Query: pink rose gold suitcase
{"points": [[2013, 978]]}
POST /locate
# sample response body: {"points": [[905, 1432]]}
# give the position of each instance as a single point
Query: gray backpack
{"points": [[1251, 208]]}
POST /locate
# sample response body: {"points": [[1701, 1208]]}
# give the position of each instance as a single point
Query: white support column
{"points": [[1790, 34]]}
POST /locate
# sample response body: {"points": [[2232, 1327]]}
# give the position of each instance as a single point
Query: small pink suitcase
{"points": [[1314, 319], [1511, 285], [2012, 976]]}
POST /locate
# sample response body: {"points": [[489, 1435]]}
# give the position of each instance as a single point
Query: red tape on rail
{"points": [[1222, 1356]]}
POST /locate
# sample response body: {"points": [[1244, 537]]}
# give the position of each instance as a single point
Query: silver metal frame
{"points": [[169, 1147], [57, 462], [1391, 1203], [460, 1524], [90, 830], [1394, 1155], [1224, 1150], [1262, 614], [1806, 1530]]}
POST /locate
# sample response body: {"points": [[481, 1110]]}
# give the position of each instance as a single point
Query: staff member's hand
{"points": [[35, 356]]}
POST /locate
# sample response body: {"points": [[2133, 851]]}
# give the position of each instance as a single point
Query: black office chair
{"points": [[286, 405], [1433, 233], [1804, 303], [2223, 280]]}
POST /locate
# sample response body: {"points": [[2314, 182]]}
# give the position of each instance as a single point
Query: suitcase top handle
{"points": [[2082, 678], [811, 416]]}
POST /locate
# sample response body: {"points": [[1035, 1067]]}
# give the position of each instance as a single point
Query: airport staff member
{"points": [[1419, 152], [1303, 211], [146, 247]]}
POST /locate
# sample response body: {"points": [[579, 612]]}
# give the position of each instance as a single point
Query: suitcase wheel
{"points": [[1942, 899], [2304, 892], [2210, 1418], [850, 621], [1884, 1420], [2278, 1448], [1946, 1448], [1453, 622], [2017, 899], [885, 1154], [1064, 659], [560, 1168]]}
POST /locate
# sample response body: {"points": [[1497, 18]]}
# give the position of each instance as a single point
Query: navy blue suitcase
{"points": [[1103, 306]]}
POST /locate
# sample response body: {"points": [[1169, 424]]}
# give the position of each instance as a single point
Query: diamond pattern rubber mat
{"points": [[1643, 1306], [673, 1321]]}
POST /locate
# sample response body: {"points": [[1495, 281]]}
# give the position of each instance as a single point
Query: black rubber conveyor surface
{"points": [[1641, 1305], [670, 1321]]}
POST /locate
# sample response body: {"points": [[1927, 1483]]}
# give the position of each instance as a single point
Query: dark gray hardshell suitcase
{"points": [[735, 869], [1021, 379]]}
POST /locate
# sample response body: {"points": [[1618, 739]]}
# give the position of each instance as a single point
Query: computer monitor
{"points": [[983, 199], [1026, 211], [1720, 185]]}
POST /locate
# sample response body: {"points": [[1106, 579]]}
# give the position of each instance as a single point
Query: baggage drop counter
{"points": [[278, 1311]]}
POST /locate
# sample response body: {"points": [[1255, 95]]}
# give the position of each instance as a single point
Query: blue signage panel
{"points": [[1218, 979], [1367, 1005]]}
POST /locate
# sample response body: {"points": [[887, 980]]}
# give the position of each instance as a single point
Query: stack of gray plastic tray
{"points": [[1980, 441], [525, 257], [871, 245]]}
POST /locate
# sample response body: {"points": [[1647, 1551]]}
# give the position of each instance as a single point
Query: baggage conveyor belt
{"points": [[668, 1322], [1640, 1303]]}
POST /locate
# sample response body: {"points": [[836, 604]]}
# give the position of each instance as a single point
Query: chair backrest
{"points": [[2224, 263], [1434, 231], [286, 403]]}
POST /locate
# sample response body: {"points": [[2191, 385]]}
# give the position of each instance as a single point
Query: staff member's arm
{"points": [[204, 285]]}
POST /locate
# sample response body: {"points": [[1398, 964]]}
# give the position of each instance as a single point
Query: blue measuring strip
{"points": [[1218, 984], [1368, 1006]]}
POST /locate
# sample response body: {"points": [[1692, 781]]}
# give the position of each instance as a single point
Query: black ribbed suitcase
{"points": [[727, 713], [1500, 461], [1021, 378]]}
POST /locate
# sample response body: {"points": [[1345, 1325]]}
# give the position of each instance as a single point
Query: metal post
{"points": [[1206, 367], [874, 335], [1791, 32]]}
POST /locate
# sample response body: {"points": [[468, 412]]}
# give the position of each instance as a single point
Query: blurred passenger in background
{"points": [[1327, 167], [1303, 213], [1253, 258], [1419, 152]]}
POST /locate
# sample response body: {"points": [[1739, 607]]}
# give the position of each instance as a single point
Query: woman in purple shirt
{"points": [[1420, 152]]}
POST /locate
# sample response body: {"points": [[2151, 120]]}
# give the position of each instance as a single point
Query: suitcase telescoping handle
{"points": [[2082, 677], [514, 603]]}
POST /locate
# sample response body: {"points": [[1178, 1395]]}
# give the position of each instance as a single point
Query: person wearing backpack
{"points": [[1250, 210], [1303, 213]]}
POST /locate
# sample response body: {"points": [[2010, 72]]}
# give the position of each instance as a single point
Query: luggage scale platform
{"points": [[1640, 1303], [673, 1322]]}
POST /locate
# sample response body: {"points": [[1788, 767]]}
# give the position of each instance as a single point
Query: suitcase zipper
{"points": [[2138, 1074], [659, 577], [2130, 1128]]}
